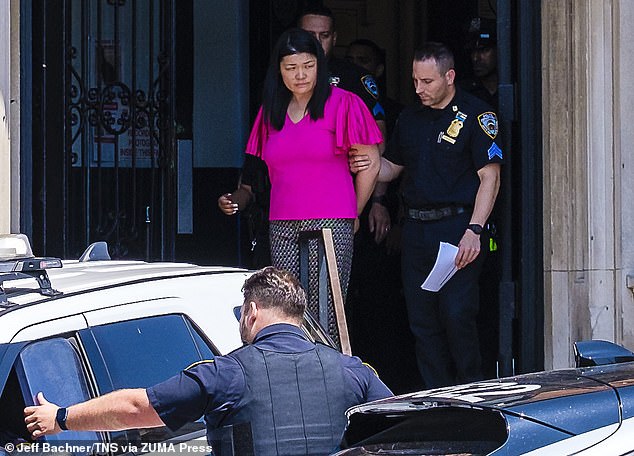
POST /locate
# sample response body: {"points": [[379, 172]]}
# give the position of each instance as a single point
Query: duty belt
{"points": [[427, 215]]}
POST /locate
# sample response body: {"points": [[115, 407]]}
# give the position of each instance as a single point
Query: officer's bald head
{"points": [[277, 290]]}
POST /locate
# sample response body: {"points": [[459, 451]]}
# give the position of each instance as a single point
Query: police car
{"points": [[588, 410], [82, 328]]}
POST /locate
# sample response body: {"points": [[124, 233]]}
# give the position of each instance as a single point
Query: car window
{"points": [[139, 353], [51, 366], [142, 352]]}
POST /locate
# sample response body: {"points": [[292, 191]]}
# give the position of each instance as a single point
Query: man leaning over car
{"points": [[293, 393]]}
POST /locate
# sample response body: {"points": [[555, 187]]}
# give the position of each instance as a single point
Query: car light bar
{"points": [[17, 262], [14, 246]]}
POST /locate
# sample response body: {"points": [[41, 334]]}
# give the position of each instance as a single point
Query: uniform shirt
{"points": [[475, 87], [353, 78], [308, 160], [443, 149], [213, 388]]}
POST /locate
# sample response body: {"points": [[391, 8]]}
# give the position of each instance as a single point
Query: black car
{"points": [[588, 410]]}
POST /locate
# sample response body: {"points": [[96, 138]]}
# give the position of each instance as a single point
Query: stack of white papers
{"points": [[444, 268]]}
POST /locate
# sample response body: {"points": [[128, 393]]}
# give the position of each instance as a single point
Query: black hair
{"points": [[438, 52], [317, 10], [276, 95]]}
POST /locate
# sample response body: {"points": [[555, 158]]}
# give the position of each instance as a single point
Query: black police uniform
{"points": [[475, 87], [294, 393], [442, 150], [348, 76]]}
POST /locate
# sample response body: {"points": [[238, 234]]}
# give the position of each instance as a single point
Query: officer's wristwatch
{"points": [[60, 417], [477, 229]]}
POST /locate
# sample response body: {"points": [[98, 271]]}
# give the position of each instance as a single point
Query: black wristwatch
{"points": [[62, 414], [477, 229]]}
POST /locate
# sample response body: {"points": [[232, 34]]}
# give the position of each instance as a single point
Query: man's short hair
{"points": [[273, 288], [317, 10], [438, 52]]}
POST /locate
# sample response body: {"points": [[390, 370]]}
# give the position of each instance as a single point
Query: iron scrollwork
{"points": [[112, 110]]}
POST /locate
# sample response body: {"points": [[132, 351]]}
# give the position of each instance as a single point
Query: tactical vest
{"points": [[295, 402]]}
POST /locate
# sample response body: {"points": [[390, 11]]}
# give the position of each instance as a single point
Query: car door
{"points": [[54, 365]]}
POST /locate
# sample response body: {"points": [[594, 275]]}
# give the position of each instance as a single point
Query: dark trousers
{"points": [[443, 323]]}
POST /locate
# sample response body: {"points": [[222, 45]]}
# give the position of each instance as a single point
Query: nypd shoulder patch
{"points": [[489, 123], [370, 86]]}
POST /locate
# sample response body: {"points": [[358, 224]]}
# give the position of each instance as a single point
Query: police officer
{"points": [[482, 46], [320, 21], [447, 146], [291, 392]]}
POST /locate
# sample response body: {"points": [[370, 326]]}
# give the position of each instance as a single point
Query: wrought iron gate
{"points": [[118, 148]]}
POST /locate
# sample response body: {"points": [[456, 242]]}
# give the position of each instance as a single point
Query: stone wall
{"points": [[5, 90], [587, 210]]}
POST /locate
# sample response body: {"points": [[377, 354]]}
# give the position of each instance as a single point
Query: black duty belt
{"points": [[427, 215]]}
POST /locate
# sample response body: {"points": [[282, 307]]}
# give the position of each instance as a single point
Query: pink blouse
{"points": [[308, 160]]}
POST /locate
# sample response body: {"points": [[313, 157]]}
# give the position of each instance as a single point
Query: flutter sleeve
{"points": [[354, 124], [258, 136]]}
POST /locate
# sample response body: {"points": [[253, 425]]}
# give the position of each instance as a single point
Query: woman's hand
{"points": [[226, 204], [230, 203]]}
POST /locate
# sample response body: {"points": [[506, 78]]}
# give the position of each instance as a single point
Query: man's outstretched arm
{"points": [[122, 409]]}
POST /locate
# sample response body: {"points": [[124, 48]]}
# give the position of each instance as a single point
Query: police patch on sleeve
{"points": [[370, 86], [489, 123]]}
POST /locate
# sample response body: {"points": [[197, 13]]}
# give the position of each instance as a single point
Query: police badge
{"points": [[489, 123], [454, 128], [456, 124], [370, 86]]}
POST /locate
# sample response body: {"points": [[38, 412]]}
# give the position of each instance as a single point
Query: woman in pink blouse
{"points": [[304, 132]]}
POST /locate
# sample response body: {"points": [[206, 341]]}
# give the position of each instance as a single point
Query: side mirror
{"points": [[599, 353]]}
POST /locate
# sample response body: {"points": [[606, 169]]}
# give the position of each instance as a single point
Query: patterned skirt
{"points": [[284, 235]]}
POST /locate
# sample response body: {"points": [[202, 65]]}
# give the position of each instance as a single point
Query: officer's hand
{"points": [[468, 249], [379, 222], [40, 419], [358, 162], [393, 240], [226, 205]]}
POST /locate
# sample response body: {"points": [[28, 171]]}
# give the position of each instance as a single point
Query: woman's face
{"points": [[299, 73]]}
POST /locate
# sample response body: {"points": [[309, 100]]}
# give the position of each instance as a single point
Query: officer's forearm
{"points": [[487, 193], [119, 410], [389, 171]]}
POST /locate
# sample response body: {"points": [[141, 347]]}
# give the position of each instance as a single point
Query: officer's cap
{"points": [[482, 33]]}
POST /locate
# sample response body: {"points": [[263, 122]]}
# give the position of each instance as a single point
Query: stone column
{"points": [[588, 196], [5, 90]]}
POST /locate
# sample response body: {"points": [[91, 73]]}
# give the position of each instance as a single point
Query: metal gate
{"points": [[117, 152]]}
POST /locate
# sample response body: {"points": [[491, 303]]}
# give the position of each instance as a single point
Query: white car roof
{"points": [[99, 292]]}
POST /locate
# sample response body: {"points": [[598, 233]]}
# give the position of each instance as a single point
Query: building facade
{"points": [[582, 148]]}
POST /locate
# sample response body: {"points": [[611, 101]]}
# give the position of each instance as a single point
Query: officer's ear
{"points": [[450, 76], [251, 309]]}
